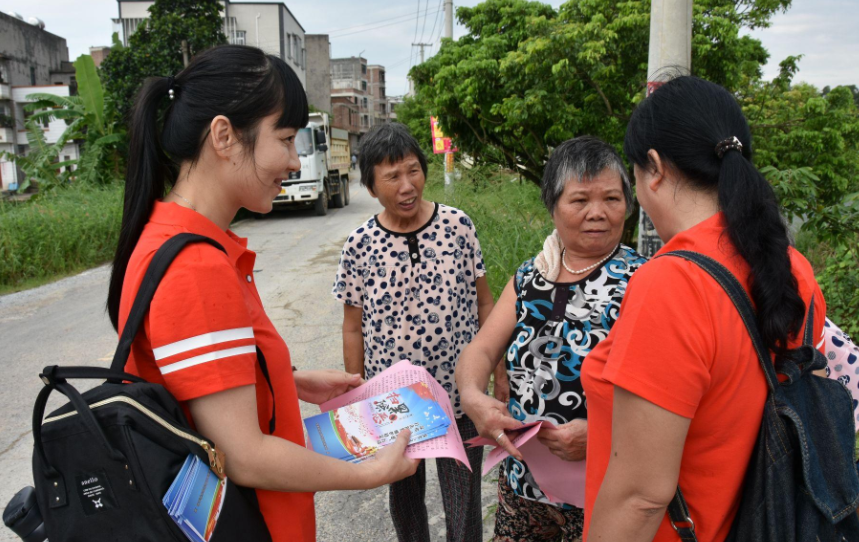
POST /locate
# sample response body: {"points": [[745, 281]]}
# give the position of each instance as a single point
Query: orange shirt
{"points": [[680, 344], [200, 337]]}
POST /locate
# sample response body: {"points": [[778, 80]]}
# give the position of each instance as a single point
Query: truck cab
{"points": [[323, 180]]}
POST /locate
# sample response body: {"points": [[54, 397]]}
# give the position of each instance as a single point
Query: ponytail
{"points": [[242, 83], [684, 121], [149, 171], [757, 231]]}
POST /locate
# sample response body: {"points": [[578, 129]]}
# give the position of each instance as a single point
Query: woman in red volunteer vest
{"points": [[218, 137]]}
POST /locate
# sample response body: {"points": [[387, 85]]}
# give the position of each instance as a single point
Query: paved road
{"points": [[65, 323]]}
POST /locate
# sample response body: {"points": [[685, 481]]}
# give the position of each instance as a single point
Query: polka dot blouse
{"points": [[417, 292]]}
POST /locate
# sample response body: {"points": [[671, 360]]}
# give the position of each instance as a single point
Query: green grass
{"points": [[57, 234], [511, 221]]}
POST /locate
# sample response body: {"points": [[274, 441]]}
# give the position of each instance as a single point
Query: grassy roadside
{"points": [[510, 219], [57, 235]]}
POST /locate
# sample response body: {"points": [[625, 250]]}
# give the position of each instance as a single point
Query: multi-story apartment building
{"points": [[376, 86], [350, 97], [31, 60], [267, 25]]}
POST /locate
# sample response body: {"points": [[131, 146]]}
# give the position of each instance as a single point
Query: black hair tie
{"points": [[730, 144], [171, 87]]}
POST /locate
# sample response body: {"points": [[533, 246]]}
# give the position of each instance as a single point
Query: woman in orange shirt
{"points": [[221, 135], [675, 393]]}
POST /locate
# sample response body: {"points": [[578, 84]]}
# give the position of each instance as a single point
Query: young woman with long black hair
{"points": [[676, 391], [221, 136]]}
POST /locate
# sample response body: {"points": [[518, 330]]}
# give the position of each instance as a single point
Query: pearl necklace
{"points": [[586, 269]]}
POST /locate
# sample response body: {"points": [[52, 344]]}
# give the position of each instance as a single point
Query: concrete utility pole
{"points": [[448, 19], [670, 52], [422, 45]]}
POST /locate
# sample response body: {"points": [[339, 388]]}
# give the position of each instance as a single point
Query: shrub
{"points": [[58, 234], [510, 219]]}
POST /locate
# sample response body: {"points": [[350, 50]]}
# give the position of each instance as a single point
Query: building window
{"points": [[364, 85], [289, 46], [32, 76], [304, 59], [365, 103], [240, 38], [363, 68]]}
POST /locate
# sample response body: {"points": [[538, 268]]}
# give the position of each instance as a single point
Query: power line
{"points": [[434, 23], [336, 30], [376, 27], [424, 27], [417, 20]]}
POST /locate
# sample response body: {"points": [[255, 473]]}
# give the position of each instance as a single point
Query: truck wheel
{"points": [[321, 206], [339, 199], [346, 186]]}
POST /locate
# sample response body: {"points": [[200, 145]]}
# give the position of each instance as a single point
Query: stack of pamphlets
{"points": [[195, 498], [357, 431]]}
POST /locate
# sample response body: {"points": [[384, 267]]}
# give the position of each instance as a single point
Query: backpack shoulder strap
{"points": [[154, 273], [741, 301], [678, 511]]}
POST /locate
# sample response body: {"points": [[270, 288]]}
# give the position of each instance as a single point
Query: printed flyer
{"points": [[357, 431]]}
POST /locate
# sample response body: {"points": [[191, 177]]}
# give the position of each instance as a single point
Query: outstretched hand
{"points": [[323, 385], [492, 420]]}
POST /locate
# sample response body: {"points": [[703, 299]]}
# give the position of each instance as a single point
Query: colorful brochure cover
{"points": [[195, 498], [357, 431]]}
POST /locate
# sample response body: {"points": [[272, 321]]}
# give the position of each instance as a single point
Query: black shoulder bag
{"points": [[103, 462], [801, 484]]}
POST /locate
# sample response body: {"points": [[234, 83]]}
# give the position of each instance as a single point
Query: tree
{"points": [[807, 145], [155, 48], [42, 163], [525, 77], [89, 120]]}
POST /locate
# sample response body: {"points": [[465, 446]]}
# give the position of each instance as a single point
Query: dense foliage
{"points": [[59, 233], [155, 48]]}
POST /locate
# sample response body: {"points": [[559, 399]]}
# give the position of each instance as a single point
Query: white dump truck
{"points": [[324, 177]]}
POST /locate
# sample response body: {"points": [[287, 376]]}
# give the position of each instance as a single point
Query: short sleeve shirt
{"points": [[201, 334], [557, 324], [417, 291], [680, 344]]}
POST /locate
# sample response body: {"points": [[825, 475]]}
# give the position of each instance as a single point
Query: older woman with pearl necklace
{"points": [[556, 308]]}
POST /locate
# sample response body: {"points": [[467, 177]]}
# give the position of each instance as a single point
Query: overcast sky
{"points": [[825, 31]]}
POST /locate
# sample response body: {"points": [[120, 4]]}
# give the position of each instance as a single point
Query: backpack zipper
{"points": [[215, 457]]}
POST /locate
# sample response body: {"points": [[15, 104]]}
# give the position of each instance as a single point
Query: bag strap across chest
{"points": [[678, 511]]}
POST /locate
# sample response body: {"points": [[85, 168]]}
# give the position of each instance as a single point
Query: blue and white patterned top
{"points": [[417, 292], [558, 324]]}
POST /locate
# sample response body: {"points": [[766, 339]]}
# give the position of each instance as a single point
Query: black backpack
{"points": [[801, 484], [103, 462]]}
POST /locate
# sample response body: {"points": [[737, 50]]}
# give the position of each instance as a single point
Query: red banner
{"points": [[440, 144]]}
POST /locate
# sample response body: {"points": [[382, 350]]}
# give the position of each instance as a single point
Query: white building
{"points": [[14, 140], [267, 25]]}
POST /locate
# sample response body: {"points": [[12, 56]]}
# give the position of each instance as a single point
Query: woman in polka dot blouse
{"points": [[411, 280]]}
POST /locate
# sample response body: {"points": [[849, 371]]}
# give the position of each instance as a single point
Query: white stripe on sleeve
{"points": [[206, 339], [205, 358]]}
